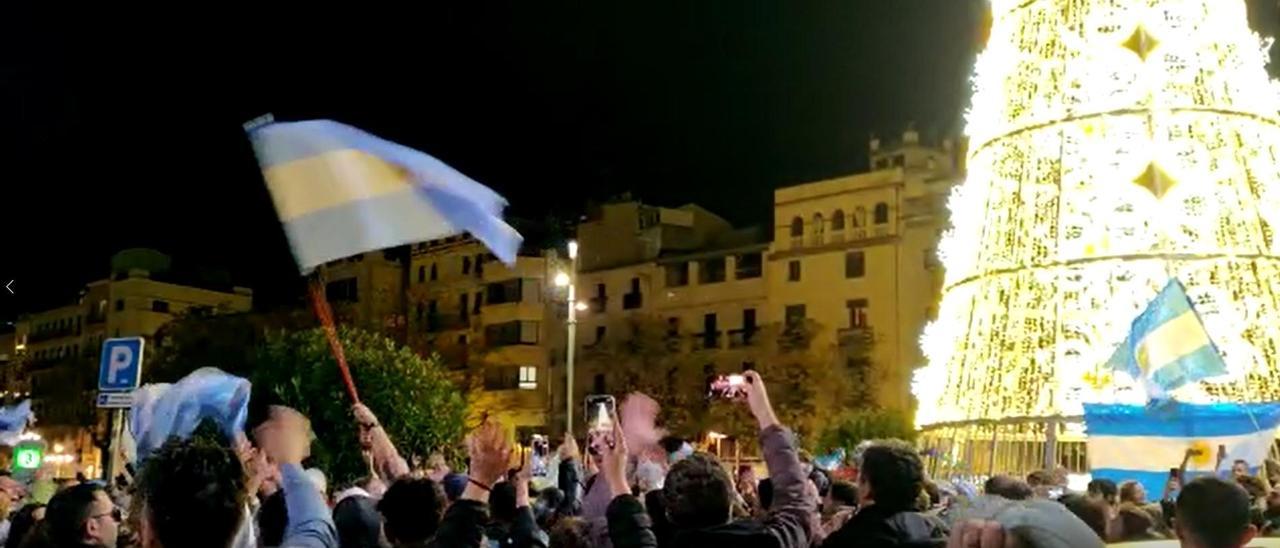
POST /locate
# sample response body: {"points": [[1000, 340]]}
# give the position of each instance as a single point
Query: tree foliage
{"points": [[854, 427], [413, 398]]}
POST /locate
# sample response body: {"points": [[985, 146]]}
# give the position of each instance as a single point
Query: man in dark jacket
{"points": [[890, 478], [699, 496]]}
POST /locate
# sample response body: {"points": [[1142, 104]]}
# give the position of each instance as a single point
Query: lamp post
{"points": [[568, 281]]}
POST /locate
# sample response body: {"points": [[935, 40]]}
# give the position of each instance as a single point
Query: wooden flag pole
{"points": [[324, 313]]}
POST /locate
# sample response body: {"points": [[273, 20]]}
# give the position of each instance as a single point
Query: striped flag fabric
{"points": [[14, 421], [161, 411], [1168, 346], [340, 191], [1142, 443]]}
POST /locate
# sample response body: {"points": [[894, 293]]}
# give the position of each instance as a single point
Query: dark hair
{"points": [[764, 491], [671, 444], [1039, 478], [502, 502], [358, 523], [1104, 488], [1135, 525], [1212, 511], [698, 492], [193, 492], [21, 525], [1129, 492], [261, 400], [547, 507], [1092, 512], [273, 519], [1008, 487], [820, 480], [895, 474], [571, 532], [67, 512], [935, 494], [844, 493], [411, 510]]}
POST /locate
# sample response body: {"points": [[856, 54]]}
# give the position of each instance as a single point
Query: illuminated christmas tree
{"points": [[1113, 144]]}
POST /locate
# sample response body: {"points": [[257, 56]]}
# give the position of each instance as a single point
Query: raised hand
{"points": [[758, 400], [612, 449], [490, 453]]}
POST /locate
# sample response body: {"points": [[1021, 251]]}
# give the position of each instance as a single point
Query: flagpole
{"points": [[320, 305]]}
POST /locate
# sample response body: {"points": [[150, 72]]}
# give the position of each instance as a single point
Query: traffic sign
{"points": [[121, 366], [115, 400]]}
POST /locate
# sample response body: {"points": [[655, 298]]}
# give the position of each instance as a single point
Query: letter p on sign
{"points": [[121, 365]]}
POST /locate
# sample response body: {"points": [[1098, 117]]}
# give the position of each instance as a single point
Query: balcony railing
{"points": [[707, 341], [50, 334], [632, 301], [742, 338]]}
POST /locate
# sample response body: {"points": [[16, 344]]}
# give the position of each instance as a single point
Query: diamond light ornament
{"points": [[1113, 144]]}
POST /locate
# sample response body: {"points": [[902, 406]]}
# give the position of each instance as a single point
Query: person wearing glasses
{"points": [[82, 515]]}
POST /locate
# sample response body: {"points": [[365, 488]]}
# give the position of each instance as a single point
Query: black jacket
{"points": [[462, 527], [879, 527], [521, 533]]}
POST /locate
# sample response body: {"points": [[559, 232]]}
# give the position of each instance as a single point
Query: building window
{"points": [[795, 316], [710, 332], [748, 266], [899, 160], [819, 228], [859, 217], [797, 228], [464, 307], [503, 292], [749, 319], [600, 302], [882, 213], [422, 274], [160, 306], [499, 377], [466, 265], [435, 273], [479, 302], [342, 291], [528, 377], [711, 271], [677, 274], [633, 299], [857, 313], [793, 271], [673, 327], [855, 264], [119, 305], [480, 265], [511, 333], [600, 332], [837, 220]]}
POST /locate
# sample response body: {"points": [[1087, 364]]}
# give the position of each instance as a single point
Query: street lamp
{"points": [[568, 280]]}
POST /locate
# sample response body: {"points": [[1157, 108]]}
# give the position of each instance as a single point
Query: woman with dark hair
{"points": [[23, 523]]}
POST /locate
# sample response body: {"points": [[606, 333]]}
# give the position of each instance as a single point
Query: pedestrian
{"points": [[890, 480], [512, 523], [1212, 513], [82, 515], [23, 523], [358, 523]]}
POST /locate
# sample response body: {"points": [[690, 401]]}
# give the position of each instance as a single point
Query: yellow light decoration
{"points": [[1113, 144]]}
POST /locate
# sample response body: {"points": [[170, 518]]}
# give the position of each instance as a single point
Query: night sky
{"points": [[120, 131]]}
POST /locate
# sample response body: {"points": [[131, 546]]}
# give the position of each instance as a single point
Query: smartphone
{"points": [[727, 386], [600, 411], [541, 448]]}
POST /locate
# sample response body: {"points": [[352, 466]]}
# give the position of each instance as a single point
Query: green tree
{"points": [[414, 399], [202, 337], [853, 427]]}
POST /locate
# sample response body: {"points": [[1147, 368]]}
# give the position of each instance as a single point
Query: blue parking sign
{"points": [[121, 366]]}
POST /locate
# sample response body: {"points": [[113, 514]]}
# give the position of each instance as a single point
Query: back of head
{"points": [[411, 510], [502, 502], [193, 494], [358, 523], [22, 524], [1104, 489], [844, 493], [571, 533], [1213, 513], [67, 512], [1129, 492], [893, 471], [1092, 512], [454, 485], [1008, 487], [1136, 524], [1039, 478], [698, 492]]}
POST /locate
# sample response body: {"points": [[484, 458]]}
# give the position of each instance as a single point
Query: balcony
{"points": [[447, 322], [743, 338], [50, 334], [598, 304], [632, 301], [706, 341]]}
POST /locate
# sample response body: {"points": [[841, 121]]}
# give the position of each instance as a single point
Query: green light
{"points": [[28, 457]]}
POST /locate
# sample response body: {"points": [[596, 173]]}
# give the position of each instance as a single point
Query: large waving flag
{"points": [[1129, 442], [161, 411], [13, 421], [340, 191], [1167, 346]]}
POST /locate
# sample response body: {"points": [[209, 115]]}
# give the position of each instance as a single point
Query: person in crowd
{"points": [[699, 494], [890, 480], [1008, 487], [1132, 493], [1270, 513], [6, 507], [746, 484], [839, 505], [412, 507], [454, 484], [437, 468], [358, 523], [511, 523], [568, 476], [82, 515], [1134, 525], [545, 507], [1091, 511], [23, 523], [571, 532], [1212, 513], [1239, 469], [1104, 490]]}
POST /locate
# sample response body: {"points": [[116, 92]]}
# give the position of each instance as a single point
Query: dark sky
{"points": [[126, 131]]}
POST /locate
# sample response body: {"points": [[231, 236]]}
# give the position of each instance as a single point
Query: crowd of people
{"points": [[254, 491]]}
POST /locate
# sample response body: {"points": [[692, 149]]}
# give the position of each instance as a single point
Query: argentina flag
{"points": [[162, 411], [1133, 442], [14, 421], [1168, 347], [340, 191]]}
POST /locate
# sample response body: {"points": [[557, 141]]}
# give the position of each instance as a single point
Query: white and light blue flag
{"points": [[340, 191], [13, 421], [1134, 442], [1168, 347], [161, 411]]}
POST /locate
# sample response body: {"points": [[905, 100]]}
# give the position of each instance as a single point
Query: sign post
{"points": [[119, 373]]}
